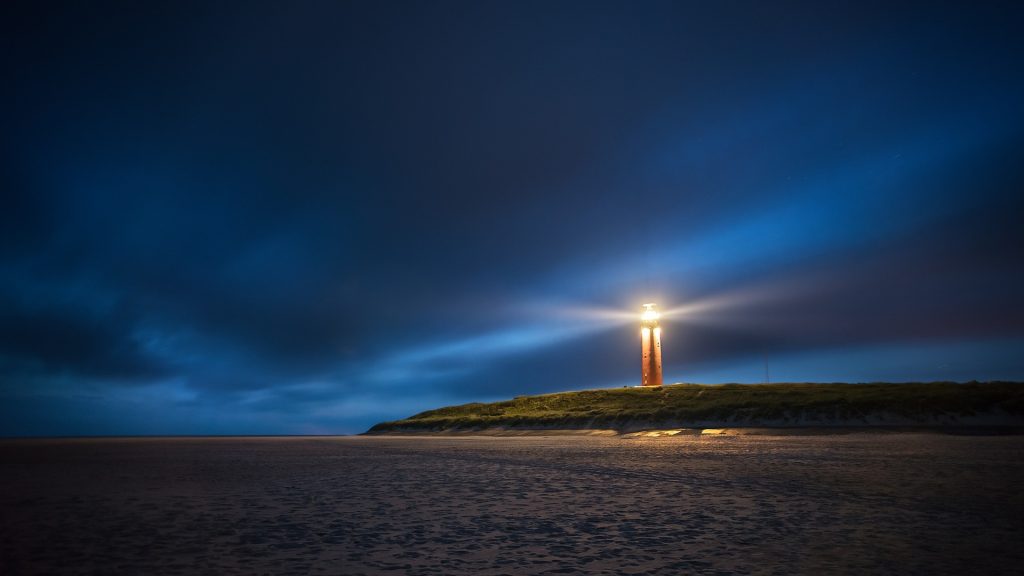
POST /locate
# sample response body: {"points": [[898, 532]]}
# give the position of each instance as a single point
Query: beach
{"points": [[829, 504]]}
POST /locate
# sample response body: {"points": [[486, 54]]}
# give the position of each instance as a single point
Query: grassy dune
{"points": [[701, 405]]}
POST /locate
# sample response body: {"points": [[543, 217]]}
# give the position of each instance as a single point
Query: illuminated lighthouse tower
{"points": [[650, 346]]}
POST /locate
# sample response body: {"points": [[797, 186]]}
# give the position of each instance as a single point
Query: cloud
{"points": [[317, 216]]}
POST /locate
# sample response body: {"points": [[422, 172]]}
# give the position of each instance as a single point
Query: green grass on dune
{"points": [[724, 402]]}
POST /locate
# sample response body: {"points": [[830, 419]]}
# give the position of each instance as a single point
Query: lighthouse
{"points": [[650, 346]]}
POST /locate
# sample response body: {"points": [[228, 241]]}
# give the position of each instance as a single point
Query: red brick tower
{"points": [[650, 346]]}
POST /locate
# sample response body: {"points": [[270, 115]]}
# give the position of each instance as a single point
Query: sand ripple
{"points": [[858, 504]]}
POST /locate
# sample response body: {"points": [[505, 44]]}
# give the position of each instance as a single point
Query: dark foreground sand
{"points": [[856, 504]]}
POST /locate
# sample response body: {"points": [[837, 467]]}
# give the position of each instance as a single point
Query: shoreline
{"points": [[500, 432]]}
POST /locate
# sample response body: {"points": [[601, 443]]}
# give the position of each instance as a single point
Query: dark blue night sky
{"points": [[307, 217]]}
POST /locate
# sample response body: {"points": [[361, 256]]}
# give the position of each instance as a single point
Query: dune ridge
{"points": [[978, 407]]}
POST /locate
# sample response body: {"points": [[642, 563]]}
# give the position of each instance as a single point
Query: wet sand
{"points": [[853, 504]]}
